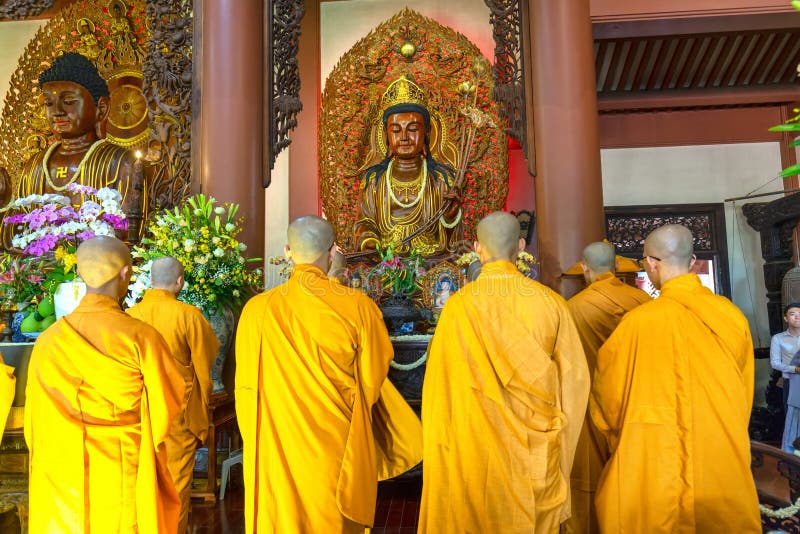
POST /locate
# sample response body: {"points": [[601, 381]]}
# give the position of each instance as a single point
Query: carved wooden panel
{"points": [[282, 82], [628, 226], [167, 70], [509, 66], [18, 9]]}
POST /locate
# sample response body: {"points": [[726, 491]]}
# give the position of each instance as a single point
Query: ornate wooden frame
{"points": [[513, 89], [627, 227], [282, 82]]}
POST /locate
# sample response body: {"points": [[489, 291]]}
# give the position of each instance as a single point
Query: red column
{"points": [[231, 124], [569, 192]]}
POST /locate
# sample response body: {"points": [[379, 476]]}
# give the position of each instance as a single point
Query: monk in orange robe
{"points": [[503, 400], [319, 422], [597, 311], [102, 391], [194, 346], [8, 384], [672, 394]]}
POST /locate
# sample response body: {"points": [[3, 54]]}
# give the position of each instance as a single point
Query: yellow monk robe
{"points": [[672, 394], [597, 311], [102, 391], [8, 384], [194, 346], [320, 423], [503, 403]]}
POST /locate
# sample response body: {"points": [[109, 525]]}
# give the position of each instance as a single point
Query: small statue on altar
{"points": [[408, 199], [76, 100]]}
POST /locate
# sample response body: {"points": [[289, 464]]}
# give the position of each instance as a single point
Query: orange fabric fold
{"points": [[193, 345], [503, 402], [597, 311], [672, 395], [312, 359], [102, 391]]}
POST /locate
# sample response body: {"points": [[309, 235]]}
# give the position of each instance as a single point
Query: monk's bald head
{"points": [[672, 244], [101, 259], [165, 272], [599, 257], [498, 235], [309, 238]]}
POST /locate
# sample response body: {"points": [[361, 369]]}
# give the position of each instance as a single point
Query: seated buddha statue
{"points": [[76, 100], [402, 196]]}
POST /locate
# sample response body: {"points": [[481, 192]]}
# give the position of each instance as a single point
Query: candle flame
{"points": [[138, 154]]}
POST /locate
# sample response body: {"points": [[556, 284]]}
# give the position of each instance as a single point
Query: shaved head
{"points": [[672, 243], [599, 257], [309, 238], [498, 236], [101, 259], [164, 272]]}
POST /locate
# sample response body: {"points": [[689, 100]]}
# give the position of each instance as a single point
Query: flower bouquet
{"points": [[526, 262], [399, 274], [50, 230], [202, 237], [20, 279]]}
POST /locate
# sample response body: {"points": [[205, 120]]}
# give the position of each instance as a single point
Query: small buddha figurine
{"points": [[76, 101], [404, 192]]}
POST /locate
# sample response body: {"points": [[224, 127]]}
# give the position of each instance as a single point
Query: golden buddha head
{"points": [[406, 119], [76, 97]]}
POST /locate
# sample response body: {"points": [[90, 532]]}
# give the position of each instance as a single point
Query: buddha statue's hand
{"points": [[453, 194]]}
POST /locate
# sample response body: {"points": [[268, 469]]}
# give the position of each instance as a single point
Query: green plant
{"points": [[202, 237], [791, 125], [398, 274]]}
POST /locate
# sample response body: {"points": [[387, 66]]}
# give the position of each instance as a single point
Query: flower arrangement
{"points": [[285, 266], [52, 227], [20, 279], [399, 274], [526, 262], [202, 237]]}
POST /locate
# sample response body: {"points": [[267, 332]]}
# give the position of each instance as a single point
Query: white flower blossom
{"points": [[219, 210], [218, 252], [229, 227]]}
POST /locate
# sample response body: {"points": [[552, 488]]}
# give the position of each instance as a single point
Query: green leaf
{"points": [[790, 171], [793, 127]]}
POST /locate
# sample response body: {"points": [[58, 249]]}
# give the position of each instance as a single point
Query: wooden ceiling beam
{"points": [[695, 98]]}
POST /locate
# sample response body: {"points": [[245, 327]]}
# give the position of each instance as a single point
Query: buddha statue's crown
{"points": [[402, 91]]}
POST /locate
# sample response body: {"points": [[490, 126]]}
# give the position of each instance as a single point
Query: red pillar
{"points": [[231, 124], [569, 192]]}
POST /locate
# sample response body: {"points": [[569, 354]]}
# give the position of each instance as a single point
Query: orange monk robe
{"points": [[102, 391], [8, 384], [672, 394], [597, 311], [503, 403], [320, 423], [194, 346]]}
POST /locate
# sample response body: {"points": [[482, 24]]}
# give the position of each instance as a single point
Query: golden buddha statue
{"points": [[403, 196], [76, 100]]}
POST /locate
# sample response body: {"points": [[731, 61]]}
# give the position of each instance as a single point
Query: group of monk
{"points": [[610, 412]]}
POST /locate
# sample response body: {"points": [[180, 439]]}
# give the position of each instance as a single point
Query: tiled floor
{"points": [[397, 509]]}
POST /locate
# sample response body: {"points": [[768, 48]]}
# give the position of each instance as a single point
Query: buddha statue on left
{"points": [[76, 100]]}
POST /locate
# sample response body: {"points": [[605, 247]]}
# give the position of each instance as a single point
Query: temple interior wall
{"points": [[705, 174], [631, 176], [14, 37]]}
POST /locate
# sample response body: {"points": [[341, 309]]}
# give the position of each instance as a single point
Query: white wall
{"points": [[14, 37], [704, 174]]}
